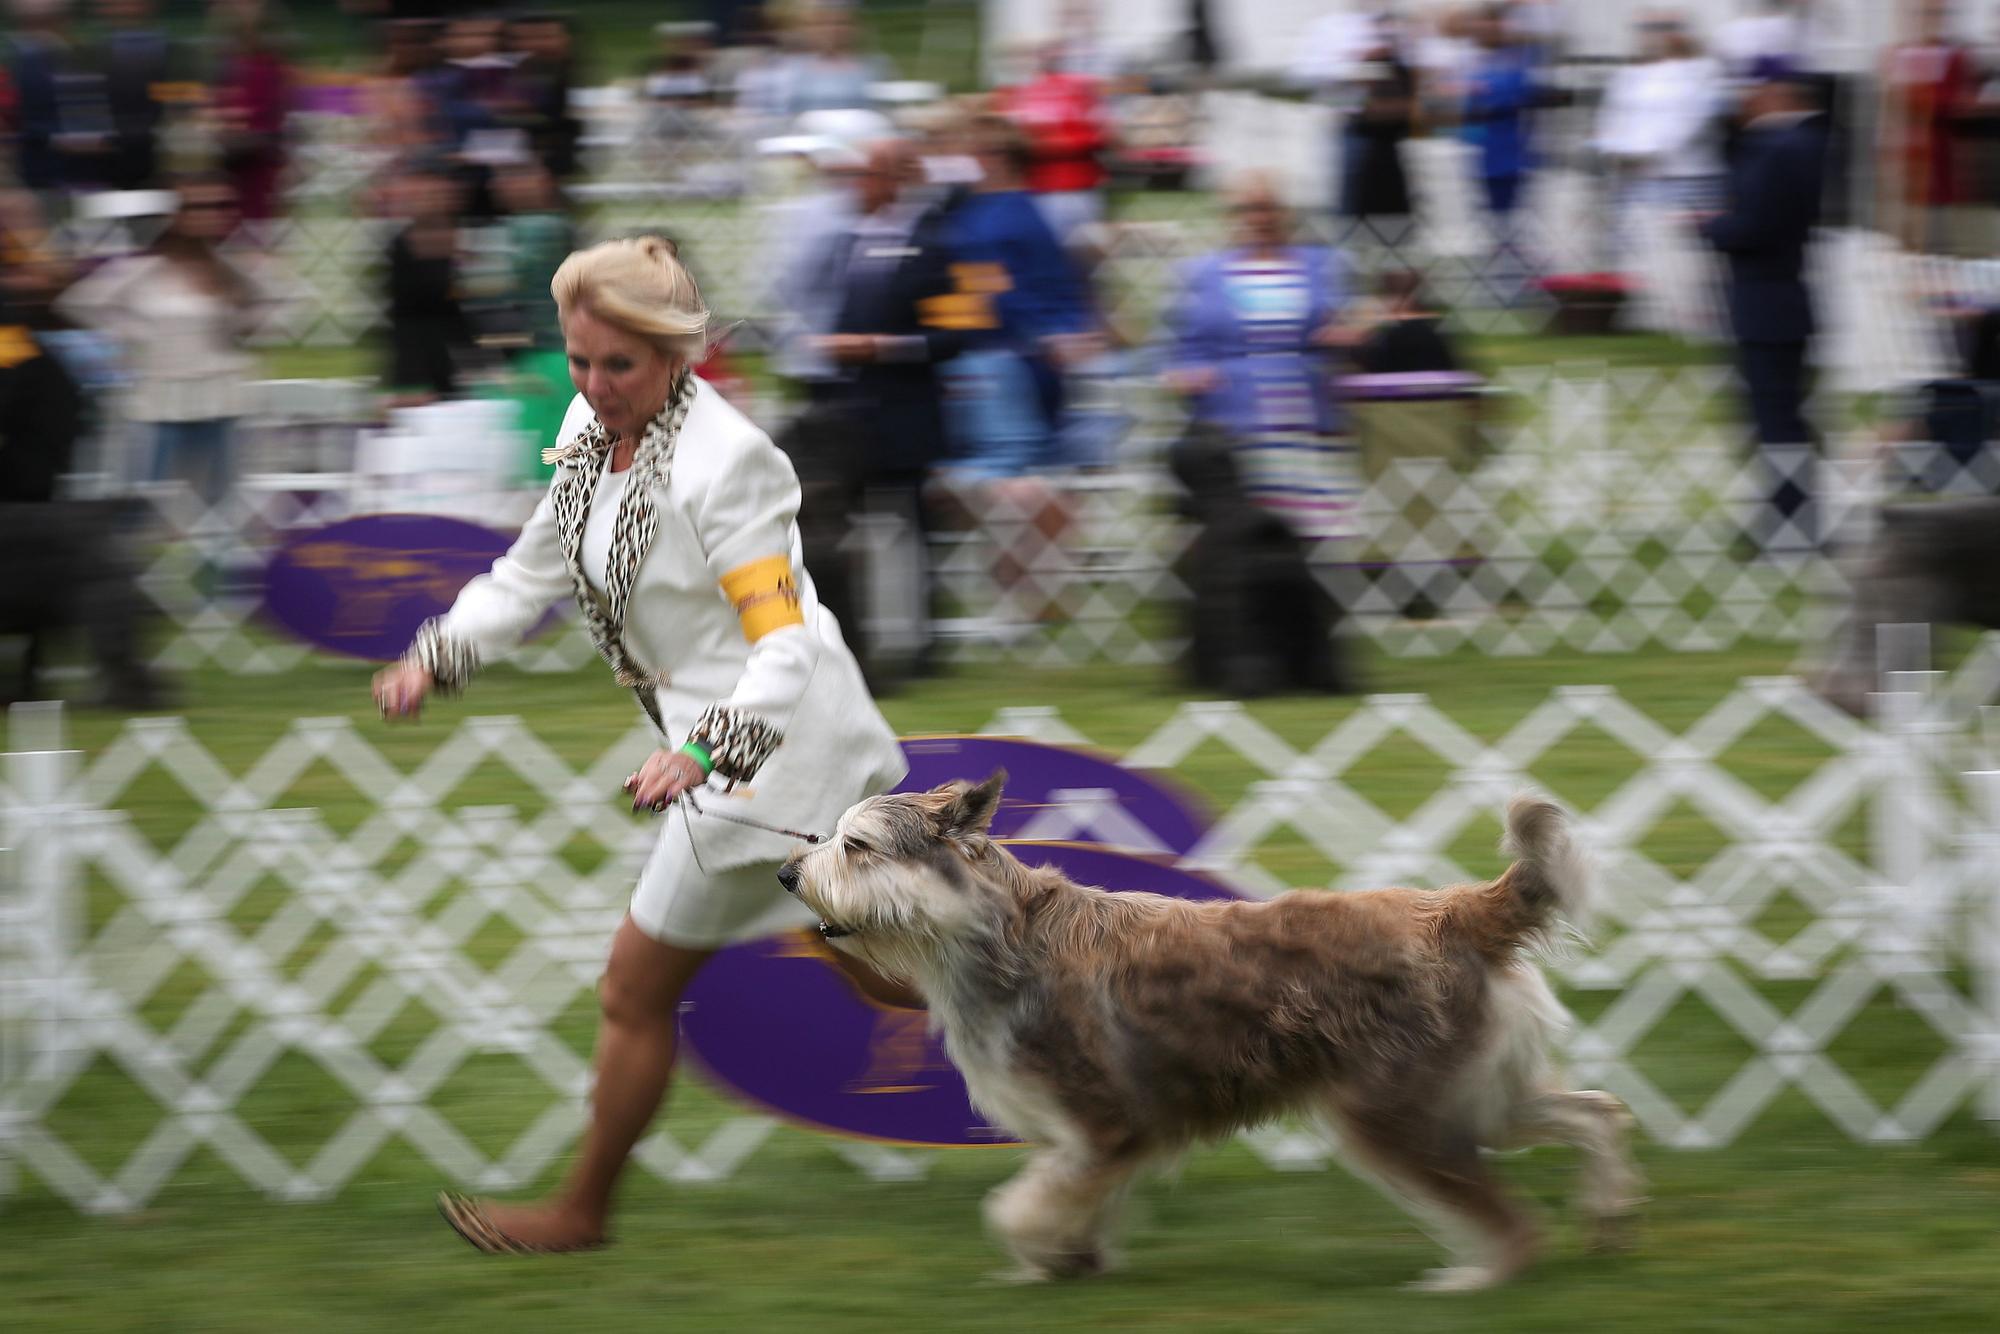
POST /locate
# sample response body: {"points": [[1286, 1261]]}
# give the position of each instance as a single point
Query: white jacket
{"points": [[729, 506]]}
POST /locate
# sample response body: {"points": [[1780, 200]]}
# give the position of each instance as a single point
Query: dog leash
{"points": [[746, 821]]}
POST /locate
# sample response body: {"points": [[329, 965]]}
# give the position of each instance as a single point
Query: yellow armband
{"points": [[765, 595]]}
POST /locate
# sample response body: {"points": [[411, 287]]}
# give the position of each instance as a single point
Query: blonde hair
{"points": [[641, 286]]}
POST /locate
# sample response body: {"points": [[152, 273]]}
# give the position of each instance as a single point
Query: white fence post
{"points": [[1907, 802], [1982, 854], [39, 930]]}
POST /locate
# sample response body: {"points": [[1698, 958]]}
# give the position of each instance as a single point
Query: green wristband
{"points": [[700, 753]]}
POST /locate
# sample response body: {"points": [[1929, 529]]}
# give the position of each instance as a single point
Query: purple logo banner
{"points": [[1060, 794], [776, 1023], [362, 586]]}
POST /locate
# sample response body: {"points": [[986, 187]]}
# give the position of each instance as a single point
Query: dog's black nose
{"points": [[788, 876]]}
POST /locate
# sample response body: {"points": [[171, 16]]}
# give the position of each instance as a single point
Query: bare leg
{"points": [[639, 995]]}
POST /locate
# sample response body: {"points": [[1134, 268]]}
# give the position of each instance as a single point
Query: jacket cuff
{"points": [[737, 744], [450, 661]]}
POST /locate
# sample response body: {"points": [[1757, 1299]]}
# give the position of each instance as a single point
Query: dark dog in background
{"points": [[1929, 563], [1259, 623]]}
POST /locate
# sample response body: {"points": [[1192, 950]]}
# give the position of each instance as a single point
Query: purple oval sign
{"points": [[1060, 794], [775, 1022], [362, 586]]}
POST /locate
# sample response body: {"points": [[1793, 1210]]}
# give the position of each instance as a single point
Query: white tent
{"points": [[1263, 36]]}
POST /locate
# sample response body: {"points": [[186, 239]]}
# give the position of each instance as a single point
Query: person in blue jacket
{"points": [[1025, 307], [1498, 99], [1026, 314]]}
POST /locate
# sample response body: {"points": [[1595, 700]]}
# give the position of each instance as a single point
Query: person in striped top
{"points": [[1249, 338]]}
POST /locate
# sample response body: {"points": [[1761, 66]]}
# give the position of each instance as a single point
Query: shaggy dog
{"points": [[1114, 1030]]}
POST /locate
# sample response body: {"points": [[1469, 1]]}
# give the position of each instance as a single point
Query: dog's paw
{"points": [[1458, 1278], [1046, 1268]]}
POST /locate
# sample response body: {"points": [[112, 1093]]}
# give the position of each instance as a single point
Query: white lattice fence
{"points": [[219, 962], [1607, 515]]}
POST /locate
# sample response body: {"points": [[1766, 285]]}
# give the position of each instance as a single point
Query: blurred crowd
{"points": [[937, 274]]}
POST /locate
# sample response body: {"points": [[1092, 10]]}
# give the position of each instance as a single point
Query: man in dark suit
{"points": [[61, 556], [897, 321], [139, 73], [899, 318], [1776, 181]]}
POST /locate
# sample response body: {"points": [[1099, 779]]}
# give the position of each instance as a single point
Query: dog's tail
{"points": [[1546, 891]]}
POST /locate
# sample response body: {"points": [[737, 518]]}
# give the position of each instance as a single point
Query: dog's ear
{"points": [[971, 809]]}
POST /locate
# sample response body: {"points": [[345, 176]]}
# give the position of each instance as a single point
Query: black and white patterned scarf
{"points": [[586, 458]]}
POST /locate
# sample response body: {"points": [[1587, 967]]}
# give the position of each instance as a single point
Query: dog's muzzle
{"points": [[788, 879]]}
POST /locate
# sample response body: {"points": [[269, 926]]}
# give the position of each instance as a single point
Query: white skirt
{"points": [[679, 903]]}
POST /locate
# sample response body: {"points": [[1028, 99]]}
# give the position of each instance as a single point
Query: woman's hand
{"points": [[400, 690], [1192, 381], [663, 777], [848, 349], [1336, 334]]}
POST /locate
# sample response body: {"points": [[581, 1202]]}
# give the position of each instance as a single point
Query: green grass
{"points": [[1793, 1228]]}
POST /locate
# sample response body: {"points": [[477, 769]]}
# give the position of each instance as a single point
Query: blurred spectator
{"points": [[1354, 58], [1774, 198], [752, 67], [33, 272], [1929, 85], [544, 71], [40, 411], [1500, 93], [827, 72], [1656, 128], [1022, 305], [1249, 332], [1197, 45], [429, 335], [181, 310], [475, 75], [1397, 332], [60, 126], [679, 89], [537, 236], [476, 96], [404, 100], [1373, 185], [1444, 53], [1066, 136], [899, 320], [140, 73], [678, 72], [809, 240], [1026, 315], [253, 98], [61, 557]]}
